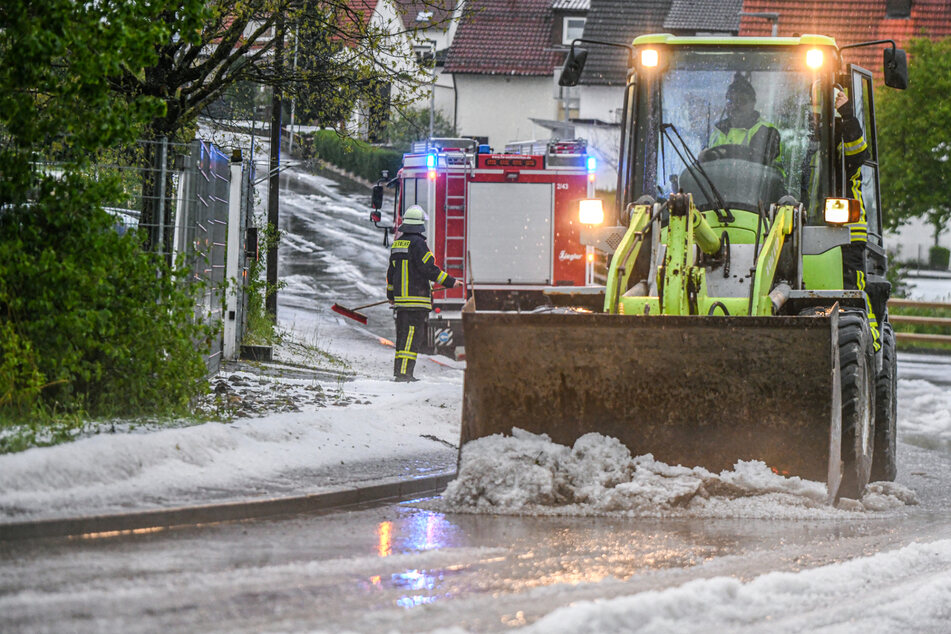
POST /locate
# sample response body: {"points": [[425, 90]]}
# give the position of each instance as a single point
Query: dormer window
{"points": [[572, 29], [897, 9]]}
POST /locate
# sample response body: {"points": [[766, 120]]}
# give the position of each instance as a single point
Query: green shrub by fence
{"points": [[357, 157], [938, 257]]}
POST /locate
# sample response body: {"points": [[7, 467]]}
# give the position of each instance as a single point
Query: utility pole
{"points": [[290, 128], [273, 198], [432, 88]]}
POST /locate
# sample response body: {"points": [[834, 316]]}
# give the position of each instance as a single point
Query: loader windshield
{"points": [[746, 118]]}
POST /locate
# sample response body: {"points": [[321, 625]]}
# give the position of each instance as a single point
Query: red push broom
{"points": [[352, 312]]}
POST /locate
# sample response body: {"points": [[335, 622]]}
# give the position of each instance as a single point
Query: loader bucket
{"points": [[691, 390]]}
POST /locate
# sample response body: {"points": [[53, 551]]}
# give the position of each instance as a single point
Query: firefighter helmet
{"points": [[414, 216]]}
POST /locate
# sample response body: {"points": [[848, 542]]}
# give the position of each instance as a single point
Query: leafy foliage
{"points": [[88, 321], [413, 125], [358, 157], [914, 133]]}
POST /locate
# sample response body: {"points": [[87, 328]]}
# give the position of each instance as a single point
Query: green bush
{"points": [[89, 322], [358, 157], [938, 257]]}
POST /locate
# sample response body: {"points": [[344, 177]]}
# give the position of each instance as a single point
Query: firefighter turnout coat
{"points": [[412, 268]]}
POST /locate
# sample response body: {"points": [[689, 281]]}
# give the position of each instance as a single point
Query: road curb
{"points": [[231, 511]]}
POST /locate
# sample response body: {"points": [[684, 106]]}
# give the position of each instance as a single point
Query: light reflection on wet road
{"points": [[405, 568]]}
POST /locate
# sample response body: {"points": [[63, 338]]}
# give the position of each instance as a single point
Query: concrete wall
{"points": [[500, 106]]}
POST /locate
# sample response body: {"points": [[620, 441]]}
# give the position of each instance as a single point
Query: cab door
{"points": [[863, 104]]}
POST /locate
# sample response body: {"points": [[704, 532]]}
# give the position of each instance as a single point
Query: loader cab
{"points": [[731, 124]]}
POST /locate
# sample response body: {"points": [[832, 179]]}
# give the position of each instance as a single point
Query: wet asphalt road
{"points": [[408, 567]]}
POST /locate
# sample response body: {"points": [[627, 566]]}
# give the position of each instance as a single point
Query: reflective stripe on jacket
{"points": [[411, 270]]}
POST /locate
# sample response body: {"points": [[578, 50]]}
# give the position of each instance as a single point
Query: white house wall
{"points": [[913, 240], [603, 103], [501, 107]]}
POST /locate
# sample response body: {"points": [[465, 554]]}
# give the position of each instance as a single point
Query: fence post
{"points": [[159, 242], [232, 258]]}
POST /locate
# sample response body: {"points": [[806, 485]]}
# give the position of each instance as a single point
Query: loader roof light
{"points": [[650, 57], [840, 211], [591, 212], [814, 58]]}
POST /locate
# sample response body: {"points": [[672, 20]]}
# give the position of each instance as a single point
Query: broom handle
{"points": [[370, 305]]}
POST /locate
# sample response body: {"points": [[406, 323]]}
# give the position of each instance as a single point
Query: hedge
{"points": [[358, 157], [938, 257]]}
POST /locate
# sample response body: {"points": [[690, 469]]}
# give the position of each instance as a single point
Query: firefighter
{"points": [[850, 141], [743, 126], [412, 268]]}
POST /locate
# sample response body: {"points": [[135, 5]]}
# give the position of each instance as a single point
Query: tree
{"points": [[914, 135], [413, 125], [344, 60], [85, 324]]}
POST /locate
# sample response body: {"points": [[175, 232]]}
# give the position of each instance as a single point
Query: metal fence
{"points": [[183, 198]]}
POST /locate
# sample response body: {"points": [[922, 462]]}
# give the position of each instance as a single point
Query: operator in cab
{"points": [[411, 269], [743, 126]]}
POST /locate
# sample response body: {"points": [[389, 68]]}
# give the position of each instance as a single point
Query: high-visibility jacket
{"points": [[851, 142], [762, 138], [412, 268]]}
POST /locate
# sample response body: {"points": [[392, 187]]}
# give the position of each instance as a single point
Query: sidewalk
{"points": [[324, 416], [929, 274]]}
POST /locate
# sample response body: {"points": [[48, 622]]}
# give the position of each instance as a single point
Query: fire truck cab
{"points": [[505, 224]]}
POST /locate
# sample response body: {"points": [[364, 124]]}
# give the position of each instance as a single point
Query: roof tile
{"points": [[510, 37], [704, 15], [618, 21], [850, 22]]}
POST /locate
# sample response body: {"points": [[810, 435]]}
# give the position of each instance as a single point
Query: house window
{"points": [[573, 28], [897, 9]]}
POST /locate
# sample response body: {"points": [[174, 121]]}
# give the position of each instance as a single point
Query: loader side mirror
{"points": [[571, 71], [377, 199], [896, 68]]}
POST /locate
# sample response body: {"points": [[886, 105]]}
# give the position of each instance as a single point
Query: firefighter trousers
{"points": [[410, 331], [853, 268]]}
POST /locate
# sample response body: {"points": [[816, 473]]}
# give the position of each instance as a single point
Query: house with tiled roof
{"points": [[503, 59], [853, 21], [421, 31], [601, 88]]}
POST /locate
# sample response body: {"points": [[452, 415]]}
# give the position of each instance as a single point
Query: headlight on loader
{"points": [[591, 212], [840, 211]]}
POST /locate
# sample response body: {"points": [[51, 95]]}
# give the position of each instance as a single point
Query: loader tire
{"points": [[857, 370], [885, 460]]}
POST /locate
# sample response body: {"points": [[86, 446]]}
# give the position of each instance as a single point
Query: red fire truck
{"points": [[506, 224]]}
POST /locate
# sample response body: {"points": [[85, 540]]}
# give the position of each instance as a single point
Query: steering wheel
{"points": [[728, 151]]}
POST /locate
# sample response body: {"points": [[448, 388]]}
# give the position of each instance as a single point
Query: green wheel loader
{"points": [[744, 313]]}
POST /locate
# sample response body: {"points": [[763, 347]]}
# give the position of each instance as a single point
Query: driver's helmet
{"points": [[740, 88]]}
